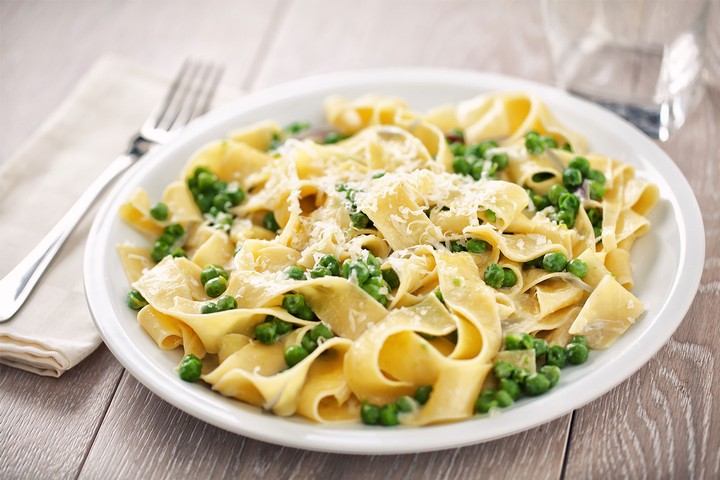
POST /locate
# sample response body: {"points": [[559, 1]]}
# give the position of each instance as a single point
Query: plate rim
{"points": [[366, 441]]}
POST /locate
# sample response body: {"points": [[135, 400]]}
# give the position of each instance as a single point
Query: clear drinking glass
{"points": [[642, 59]]}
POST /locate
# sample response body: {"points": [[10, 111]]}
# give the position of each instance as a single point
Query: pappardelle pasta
{"points": [[394, 267]]}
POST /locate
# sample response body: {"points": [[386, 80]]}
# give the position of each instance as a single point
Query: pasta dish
{"points": [[390, 267]]}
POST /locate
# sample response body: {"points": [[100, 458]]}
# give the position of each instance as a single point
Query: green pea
{"points": [[510, 386], [281, 326], [293, 302], [503, 369], [320, 271], [540, 346], [490, 215], [308, 343], [405, 404], [167, 239], [477, 246], [483, 404], [581, 164], [480, 149], [595, 216], [198, 171], [190, 368], [357, 268], [295, 272], [554, 262], [555, 192], [206, 182], [534, 144], [135, 300], [226, 303], [389, 415], [477, 169], [501, 160], [270, 223], [331, 263], [305, 313], [577, 353], [266, 333], [557, 356], [456, 247], [209, 307], [422, 394], [572, 178], [536, 384], [159, 212], [221, 202], [597, 190], [212, 271], [216, 286], [552, 373], [519, 341], [334, 137], [520, 375], [373, 289], [597, 176], [494, 275], [369, 414], [579, 339], [178, 252], [457, 148], [535, 262], [321, 331], [549, 141], [439, 296], [503, 399], [577, 267], [597, 231], [204, 202], [360, 220], [567, 147], [509, 278], [160, 249], [569, 202], [236, 196], [391, 277], [461, 165], [295, 354], [174, 229], [539, 201], [567, 217], [296, 127]]}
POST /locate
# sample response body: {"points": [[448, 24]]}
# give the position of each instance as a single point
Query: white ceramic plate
{"points": [[668, 264]]}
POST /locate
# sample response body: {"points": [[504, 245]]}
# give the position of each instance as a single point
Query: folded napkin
{"points": [[54, 330]]}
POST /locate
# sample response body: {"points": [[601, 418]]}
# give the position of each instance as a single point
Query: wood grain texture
{"points": [[48, 45], [48, 424], [144, 437], [662, 422]]}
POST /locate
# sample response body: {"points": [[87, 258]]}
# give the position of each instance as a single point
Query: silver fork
{"points": [[188, 97]]}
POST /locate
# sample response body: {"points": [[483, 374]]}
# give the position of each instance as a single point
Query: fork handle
{"points": [[16, 286]]}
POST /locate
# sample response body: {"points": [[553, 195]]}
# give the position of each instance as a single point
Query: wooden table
{"points": [[97, 421]]}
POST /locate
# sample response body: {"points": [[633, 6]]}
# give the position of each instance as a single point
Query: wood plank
{"points": [[47, 46], [490, 36], [667, 426], [144, 437], [47, 423]]}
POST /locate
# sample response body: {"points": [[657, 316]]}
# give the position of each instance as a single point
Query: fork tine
{"points": [[160, 109], [184, 88], [199, 95], [210, 91]]}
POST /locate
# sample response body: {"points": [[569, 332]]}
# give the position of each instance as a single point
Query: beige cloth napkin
{"points": [[54, 330]]}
